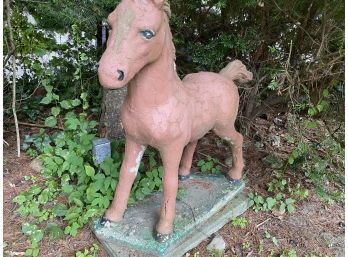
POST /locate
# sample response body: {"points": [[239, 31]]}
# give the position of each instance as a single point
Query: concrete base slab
{"points": [[209, 202]]}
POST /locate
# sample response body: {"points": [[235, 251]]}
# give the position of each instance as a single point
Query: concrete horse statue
{"points": [[160, 110]]}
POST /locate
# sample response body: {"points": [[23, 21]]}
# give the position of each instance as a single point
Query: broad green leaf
{"points": [[139, 195], [160, 171], [275, 241], [89, 171], [312, 111], [28, 228], [270, 202], [320, 107], [65, 104], [67, 189], [78, 202], [83, 57], [47, 99], [36, 252], [282, 208], [325, 92], [55, 111], [311, 124], [291, 160], [200, 163], [289, 201], [83, 96], [49, 89], [291, 208], [295, 154], [72, 123], [51, 121], [29, 252], [146, 191], [59, 210], [55, 96], [37, 235], [76, 102], [19, 199], [54, 231]]}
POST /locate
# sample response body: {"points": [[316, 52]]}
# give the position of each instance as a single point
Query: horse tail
{"points": [[237, 71]]}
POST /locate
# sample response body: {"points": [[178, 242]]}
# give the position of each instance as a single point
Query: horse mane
{"points": [[166, 8], [168, 12]]}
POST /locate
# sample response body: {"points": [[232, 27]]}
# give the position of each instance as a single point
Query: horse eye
{"points": [[147, 34]]}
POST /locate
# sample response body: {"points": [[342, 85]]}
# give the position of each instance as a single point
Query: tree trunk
{"points": [[110, 121]]}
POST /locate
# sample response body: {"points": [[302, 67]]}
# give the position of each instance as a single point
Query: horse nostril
{"points": [[120, 75], [97, 65]]}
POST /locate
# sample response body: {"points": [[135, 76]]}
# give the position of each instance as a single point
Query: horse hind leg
{"points": [[235, 140], [186, 161]]}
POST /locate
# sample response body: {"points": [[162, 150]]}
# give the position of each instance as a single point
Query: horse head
{"points": [[136, 39]]}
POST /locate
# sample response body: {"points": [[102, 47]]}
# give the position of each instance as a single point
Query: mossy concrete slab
{"points": [[208, 204]]}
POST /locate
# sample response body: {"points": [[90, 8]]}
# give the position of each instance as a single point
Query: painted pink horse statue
{"points": [[160, 110]]}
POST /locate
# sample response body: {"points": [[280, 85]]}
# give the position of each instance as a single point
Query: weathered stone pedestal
{"points": [[208, 204]]}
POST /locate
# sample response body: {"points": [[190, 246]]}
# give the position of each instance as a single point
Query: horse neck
{"points": [[156, 82]]}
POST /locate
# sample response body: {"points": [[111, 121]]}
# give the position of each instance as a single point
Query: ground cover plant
{"points": [[291, 116]]}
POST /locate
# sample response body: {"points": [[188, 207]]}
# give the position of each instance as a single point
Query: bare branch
{"points": [[36, 125], [13, 48]]}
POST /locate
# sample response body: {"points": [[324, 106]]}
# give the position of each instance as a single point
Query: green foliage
{"points": [[272, 238], [75, 188], [216, 253], [240, 222], [210, 164], [282, 196], [34, 144], [278, 203], [31, 109], [70, 171], [246, 245], [88, 252], [289, 253], [321, 162]]}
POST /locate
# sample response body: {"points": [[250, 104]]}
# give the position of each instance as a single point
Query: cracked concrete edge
{"points": [[236, 207]]}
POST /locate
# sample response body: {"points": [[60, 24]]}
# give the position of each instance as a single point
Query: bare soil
{"points": [[314, 228]]}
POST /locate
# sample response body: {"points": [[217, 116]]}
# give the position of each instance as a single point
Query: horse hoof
{"points": [[161, 238], [184, 177], [105, 222], [234, 182]]}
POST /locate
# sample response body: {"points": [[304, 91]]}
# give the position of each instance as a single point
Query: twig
{"points": [[332, 134], [296, 22], [258, 225], [13, 76], [9, 56], [250, 253], [22, 99], [263, 222], [36, 125], [5, 142]]}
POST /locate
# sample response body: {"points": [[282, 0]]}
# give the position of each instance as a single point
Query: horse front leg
{"points": [[129, 170], [171, 158]]}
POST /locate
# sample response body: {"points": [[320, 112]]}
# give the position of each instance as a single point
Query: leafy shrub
{"points": [[209, 164], [240, 222]]}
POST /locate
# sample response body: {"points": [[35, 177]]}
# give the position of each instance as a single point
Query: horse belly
{"points": [[156, 128], [204, 116]]}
